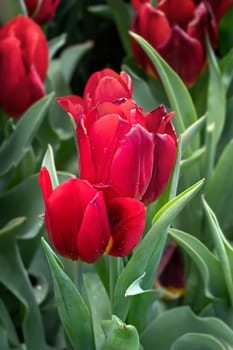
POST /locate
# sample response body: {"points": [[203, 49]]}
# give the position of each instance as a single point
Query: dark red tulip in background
{"points": [[41, 11], [177, 29]]}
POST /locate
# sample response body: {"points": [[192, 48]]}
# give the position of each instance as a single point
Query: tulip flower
{"points": [[24, 63], [170, 275], [122, 151], [81, 225], [177, 35], [41, 11], [106, 86]]}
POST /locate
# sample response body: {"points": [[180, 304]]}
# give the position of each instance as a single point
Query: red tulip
{"points": [[122, 151], [41, 11], [24, 63], [81, 226], [106, 86], [177, 35]]}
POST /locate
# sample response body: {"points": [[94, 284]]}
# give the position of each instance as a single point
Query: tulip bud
{"points": [[24, 63], [41, 11]]}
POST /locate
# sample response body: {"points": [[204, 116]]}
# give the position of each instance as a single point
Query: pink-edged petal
{"points": [[131, 167], [73, 105], [184, 54], [164, 160], [104, 136], [45, 183], [127, 222], [94, 232]]}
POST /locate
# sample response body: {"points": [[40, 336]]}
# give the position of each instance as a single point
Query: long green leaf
{"points": [[220, 246], [13, 150], [10, 9], [151, 246], [72, 309], [197, 341], [14, 276], [207, 263]]}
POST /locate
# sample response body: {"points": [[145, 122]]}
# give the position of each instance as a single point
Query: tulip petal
{"points": [[73, 105], [106, 86], [45, 183], [184, 54], [127, 222], [131, 167], [103, 137], [94, 232], [178, 11], [164, 158]]}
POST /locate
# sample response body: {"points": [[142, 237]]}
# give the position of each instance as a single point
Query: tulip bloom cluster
{"points": [[177, 29], [24, 63], [125, 161], [41, 11]]}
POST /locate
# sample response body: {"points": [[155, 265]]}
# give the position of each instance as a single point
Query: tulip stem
{"points": [[78, 275], [115, 268]]}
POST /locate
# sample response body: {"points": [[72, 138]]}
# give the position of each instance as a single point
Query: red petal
{"points": [[177, 11], [45, 183], [164, 160], [73, 105], [106, 86], [131, 167], [184, 54], [94, 232], [104, 136], [127, 221]]}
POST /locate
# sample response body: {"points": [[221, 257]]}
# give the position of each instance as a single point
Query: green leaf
{"points": [[226, 66], [136, 289], [197, 341], [221, 245], [216, 107], [31, 206], [99, 304], [192, 131], [49, 163], [219, 189], [178, 95], [149, 250], [72, 309], [122, 19], [6, 321], [71, 56], [55, 44], [14, 148], [120, 336], [207, 263], [10, 9], [14, 277], [180, 321]]}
